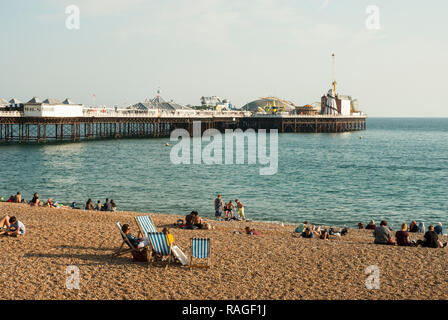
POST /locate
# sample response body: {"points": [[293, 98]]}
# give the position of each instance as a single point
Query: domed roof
{"points": [[269, 104]]}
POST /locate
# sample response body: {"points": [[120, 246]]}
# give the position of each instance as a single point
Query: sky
{"points": [[124, 51]]}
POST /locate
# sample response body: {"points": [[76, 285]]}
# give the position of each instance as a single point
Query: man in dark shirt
{"points": [[431, 239], [189, 220], [107, 205]]}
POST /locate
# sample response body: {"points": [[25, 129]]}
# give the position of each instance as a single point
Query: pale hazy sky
{"points": [[237, 49]]}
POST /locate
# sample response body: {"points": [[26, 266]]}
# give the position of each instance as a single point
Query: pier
{"points": [[17, 128]]}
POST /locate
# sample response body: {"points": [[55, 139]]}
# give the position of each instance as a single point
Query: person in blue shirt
{"points": [[14, 227], [438, 228], [136, 242]]}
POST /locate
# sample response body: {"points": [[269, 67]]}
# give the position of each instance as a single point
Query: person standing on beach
{"points": [[240, 209], [228, 210], [18, 198], [219, 205]]}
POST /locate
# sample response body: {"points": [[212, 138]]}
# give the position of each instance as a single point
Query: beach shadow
{"points": [[91, 259], [96, 260], [85, 248]]}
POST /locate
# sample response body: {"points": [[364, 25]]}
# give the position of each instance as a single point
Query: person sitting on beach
{"points": [[413, 226], [136, 242], [107, 206], [240, 209], [438, 228], [98, 206], [14, 227], [421, 227], [50, 203], [169, 236], [382, 234], [299, 230], [89, 205], [113, 206], [322, 234], [189, 220], [219, 206], [307, 233], [18, 198], [360, 225], [73, 205], [35, 202], [402, 236], [371, 225], [252, 231], [431, 239], [197, 220]]}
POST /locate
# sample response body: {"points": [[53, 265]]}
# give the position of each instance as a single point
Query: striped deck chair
{"points": [[145, 225], [200, 249], [160, 247], [122, 250]]}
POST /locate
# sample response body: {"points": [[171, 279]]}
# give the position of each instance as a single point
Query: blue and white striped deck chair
{"points": [[200, 250], [160, 246], [145, 225]]}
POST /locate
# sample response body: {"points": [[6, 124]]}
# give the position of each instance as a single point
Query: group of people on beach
{"points": [[227, 209], [109, 205], [383, 235], [306, 230]]}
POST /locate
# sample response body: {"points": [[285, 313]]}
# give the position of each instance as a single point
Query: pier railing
{"points": [[11, 114], [124, 113]]}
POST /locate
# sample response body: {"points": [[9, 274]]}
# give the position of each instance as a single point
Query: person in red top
{"points": [[371, 225]]}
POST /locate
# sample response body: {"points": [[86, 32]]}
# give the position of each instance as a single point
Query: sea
{"points": [[396, 170]]}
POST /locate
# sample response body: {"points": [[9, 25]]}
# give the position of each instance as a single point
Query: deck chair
{"points": [[200, 250], [145, 225], [126, 241], [161, 247]]}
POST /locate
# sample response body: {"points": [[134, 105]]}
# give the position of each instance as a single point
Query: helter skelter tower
{"points": [[328, 102]]}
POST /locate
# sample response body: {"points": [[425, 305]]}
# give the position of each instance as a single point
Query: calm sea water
{"points": [[398, 171]]}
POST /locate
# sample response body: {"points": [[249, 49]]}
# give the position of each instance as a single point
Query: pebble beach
{"points": [[274, 265]]}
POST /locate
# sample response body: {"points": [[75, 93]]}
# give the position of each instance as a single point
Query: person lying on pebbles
{"points": [[14, 227], [252, 231]]}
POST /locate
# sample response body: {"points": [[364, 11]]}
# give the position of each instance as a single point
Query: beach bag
{"points": [[140, 256]]}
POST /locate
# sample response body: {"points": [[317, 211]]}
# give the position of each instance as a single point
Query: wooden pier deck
{"points": [[16, 128]]}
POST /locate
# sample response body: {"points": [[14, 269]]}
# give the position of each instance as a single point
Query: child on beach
{"points": [[228, 210], [169, 236], [14, 227], [240, 209]]}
